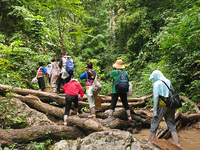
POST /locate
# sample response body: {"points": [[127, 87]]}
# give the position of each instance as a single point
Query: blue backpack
{"points": [[69, 66], [122, 83]]}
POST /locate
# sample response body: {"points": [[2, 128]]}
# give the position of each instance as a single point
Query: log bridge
{"points": [[102, 102]]}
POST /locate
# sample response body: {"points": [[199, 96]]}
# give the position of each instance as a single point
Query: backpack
{"points": [[69, 66], [122, 84], [97, 85], [173, 101]]}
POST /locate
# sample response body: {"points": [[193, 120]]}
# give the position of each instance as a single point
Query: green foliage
{"points": [[41, 146], [8, 115], [187, 108], [11, 147]]}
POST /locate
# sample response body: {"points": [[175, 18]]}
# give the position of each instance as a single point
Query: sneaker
{"points": [[65, 123], [92, 116], [129, 119]]}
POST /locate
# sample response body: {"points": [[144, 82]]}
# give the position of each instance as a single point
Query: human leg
{"points": [[113, 104], [170, 120], [123, 97], [68, 103], [59, 81], [155, 122], [68, 78], [41, 83], [76, 105], [54, 78]]}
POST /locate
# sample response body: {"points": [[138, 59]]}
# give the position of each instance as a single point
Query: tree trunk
{"points": [[87, 124], [59, 30], [43, 96], [185, 99], [35, 103], [8, 137], [181, 120]]}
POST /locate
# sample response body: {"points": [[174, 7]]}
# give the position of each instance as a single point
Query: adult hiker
{"points": [[54, 73], [41, 72], [89, 76], [64, 77], [160, 93], [48, 69], [72, 89], [121, 90]]}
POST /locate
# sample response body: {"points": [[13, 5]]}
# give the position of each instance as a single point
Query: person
{"points": [[161, 92], [118, 66], [89, 76], [62, 65], [72, 89], [54, 73], [48, 69], [41, 72]]}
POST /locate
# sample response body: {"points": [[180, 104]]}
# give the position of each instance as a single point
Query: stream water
{"points": [[189, 137]]}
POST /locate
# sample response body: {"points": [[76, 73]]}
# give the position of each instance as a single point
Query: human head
{"points": [[119, 65], [156, 75], [48, 63], [62, 54], [89, 65], [41, 63], [54, 59]]}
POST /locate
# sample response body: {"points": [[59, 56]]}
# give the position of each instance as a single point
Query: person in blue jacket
{"points": [[160, 93]]}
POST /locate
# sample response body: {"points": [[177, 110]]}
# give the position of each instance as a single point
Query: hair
{"points": [[54, 59], [48, 63], [41, 64], [89, 65], [62, 53]]}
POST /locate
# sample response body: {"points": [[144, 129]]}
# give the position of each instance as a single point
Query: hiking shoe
{"points": [[92, 116], [65, 123]]}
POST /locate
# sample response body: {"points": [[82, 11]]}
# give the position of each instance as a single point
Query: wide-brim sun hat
{"points": [[119, 65]]}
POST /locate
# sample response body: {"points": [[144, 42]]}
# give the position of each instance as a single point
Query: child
{"points": [[41, 72], [72, 90]]}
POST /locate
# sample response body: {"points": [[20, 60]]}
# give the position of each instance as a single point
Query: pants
{"points": [[62, 81], [91, 100], [68, 102], [41, 83], [123, 97], [54, 78], [168, 114]]}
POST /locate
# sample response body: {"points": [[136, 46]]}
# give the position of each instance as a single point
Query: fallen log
{"points": [[97, 124], [43, 96], [108, 98], [181, 120], [34, 102], [144, 121], [11, 136], [164, 144], [87, 124], [185, 99]]}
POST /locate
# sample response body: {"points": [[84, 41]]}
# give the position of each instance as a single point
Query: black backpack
{"points": [[122, 83], [173, 101]]}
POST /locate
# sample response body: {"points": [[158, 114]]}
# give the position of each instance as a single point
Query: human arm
{"points": [[65, 87], [44, 70], [83, 76], [155, 99], [60, 64]]}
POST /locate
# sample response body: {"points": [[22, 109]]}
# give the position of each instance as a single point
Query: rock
{"points": [[105, 140], [33, 117]]}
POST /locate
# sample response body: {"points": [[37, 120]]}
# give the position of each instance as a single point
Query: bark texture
{"points": [[8, 137]]}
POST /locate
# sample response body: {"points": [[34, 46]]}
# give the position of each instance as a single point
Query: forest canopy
{"points": [[146, 35]]}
